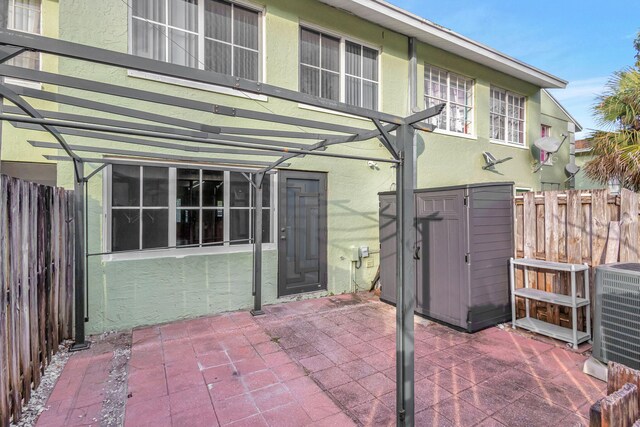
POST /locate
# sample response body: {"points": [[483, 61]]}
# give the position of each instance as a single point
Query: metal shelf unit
{"points": [[571, 335]]}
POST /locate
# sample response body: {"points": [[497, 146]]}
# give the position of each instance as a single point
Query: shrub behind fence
{"points": [[36, 286]]}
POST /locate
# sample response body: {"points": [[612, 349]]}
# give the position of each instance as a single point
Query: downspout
{"points": [[413, 99]]}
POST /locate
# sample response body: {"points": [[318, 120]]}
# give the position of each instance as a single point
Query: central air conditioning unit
{"points": [[617, 314]]}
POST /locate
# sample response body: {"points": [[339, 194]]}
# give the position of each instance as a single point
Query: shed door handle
{"points": [[416, 254]]}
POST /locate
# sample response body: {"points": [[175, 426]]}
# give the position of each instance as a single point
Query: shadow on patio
{"points": [[322, 362]]}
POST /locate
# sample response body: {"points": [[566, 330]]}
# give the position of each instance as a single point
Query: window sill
{"points": [[196, 85], [455, 134], [506, 144], [335, 113], [183, 252], [23, 83]]}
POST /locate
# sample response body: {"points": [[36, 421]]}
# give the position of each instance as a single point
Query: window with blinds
{"points": [[209, 34], [25, 15], [350, 77], [319, 64]]}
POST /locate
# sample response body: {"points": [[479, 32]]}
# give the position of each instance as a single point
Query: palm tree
{"points": [[617, 148]]}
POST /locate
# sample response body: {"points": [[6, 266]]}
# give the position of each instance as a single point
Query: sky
{"points": [[582, 42]]}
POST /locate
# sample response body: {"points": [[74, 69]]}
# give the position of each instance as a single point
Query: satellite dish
{"points": [[548, 144], [572, 169], [491, 160]]}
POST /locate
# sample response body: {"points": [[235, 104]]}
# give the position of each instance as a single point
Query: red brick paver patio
{"points": [[327, 362]]}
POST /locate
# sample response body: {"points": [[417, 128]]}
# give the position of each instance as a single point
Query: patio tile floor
{"points": [[326, 362]]}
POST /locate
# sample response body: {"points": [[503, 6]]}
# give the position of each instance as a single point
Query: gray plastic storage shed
{"points": [[464, 239]]}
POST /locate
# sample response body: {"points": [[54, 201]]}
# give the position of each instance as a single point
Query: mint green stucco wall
{"points": [[126, 293], [14, 141]]}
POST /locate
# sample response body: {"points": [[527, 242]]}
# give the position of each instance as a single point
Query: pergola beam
{"points": [[158, 144], [414, 119], [163, 99], [131, 62], [120, 124], [152, 162], [132, 153], [159, 118], [35, 115], [9, 52], [141, 141], [386, 139], [84, 126]]}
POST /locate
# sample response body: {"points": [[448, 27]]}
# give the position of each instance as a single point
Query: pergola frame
{"points": [[226, 140]]}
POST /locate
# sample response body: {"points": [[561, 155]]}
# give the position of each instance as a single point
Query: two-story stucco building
{"points": [[174, 241]]}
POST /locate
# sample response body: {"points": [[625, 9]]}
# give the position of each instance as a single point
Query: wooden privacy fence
{"points": [[36, 286], [621, 406], [592, 227]]}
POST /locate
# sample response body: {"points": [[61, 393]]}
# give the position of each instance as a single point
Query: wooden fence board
{"points": [[25, 327], [4, 293], [628, 226], [600, 219], [620, 408], [577, 227], [14, 274], [574, 238], [551, 248], [613, 243], [33, 285], [35, 240]]}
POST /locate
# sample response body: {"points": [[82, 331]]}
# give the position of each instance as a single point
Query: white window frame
{"points": [[545, 157], [19, 82], [180, 252], [343, 39], [505, 141], [472, 132], [201, 52]]}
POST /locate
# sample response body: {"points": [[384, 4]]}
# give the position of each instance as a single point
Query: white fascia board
{"points": [[411, 25], [564, 110]]}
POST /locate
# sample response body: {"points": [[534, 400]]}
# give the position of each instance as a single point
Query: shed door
{"points": [[442, 270], [388, 249], [302, 222]]}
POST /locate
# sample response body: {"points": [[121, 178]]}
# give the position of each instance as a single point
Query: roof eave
{"points": [[411, 25]]}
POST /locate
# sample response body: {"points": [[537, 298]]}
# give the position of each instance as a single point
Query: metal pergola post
{"points": [[80, 257], [405, 278], [257, 246]]}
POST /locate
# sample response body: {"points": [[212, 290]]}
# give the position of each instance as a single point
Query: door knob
{"points": [[283, 237]]}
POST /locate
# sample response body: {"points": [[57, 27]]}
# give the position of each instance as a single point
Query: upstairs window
{"points": [[361, 76], [545, 157], [351, 77], [441, 86], [507, 117], [25, 16], [319, 64], [208, 34]]}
